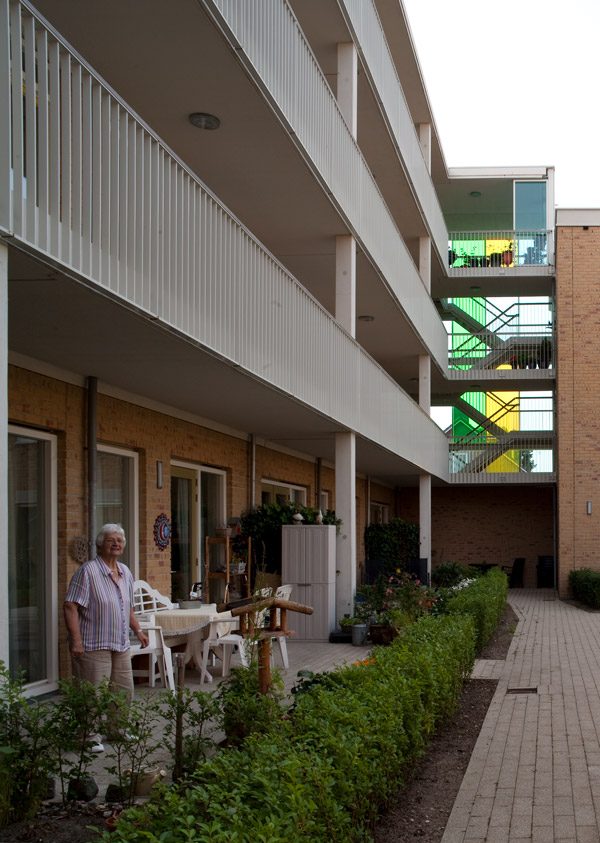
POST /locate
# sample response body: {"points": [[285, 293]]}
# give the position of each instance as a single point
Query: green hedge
{"points": [[484, 601], [585, 584], [334, 760]]}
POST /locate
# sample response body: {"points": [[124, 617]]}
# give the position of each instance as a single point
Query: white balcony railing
{"points": [[84, 182], [514, 435], [268, 37], [500, 249], [364, 21]]}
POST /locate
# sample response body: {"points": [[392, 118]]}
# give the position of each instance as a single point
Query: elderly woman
{"points": [[99, 612]]}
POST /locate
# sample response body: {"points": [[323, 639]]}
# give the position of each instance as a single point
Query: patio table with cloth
{"points": [[187, 626]]}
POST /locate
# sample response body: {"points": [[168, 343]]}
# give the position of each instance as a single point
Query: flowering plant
{"points": [[395, 600]]}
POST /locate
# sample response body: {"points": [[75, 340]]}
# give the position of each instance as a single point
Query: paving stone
{"points": [[538, 755]]}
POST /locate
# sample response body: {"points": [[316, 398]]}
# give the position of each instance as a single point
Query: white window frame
{"points": [[383, 509], [268, 481], [132, 531], [205, 469], [44, 686]]}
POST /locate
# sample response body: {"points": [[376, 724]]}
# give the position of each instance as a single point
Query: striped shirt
{"points": [[104, 605]]}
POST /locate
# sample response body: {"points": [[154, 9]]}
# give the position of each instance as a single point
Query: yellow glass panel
{"points": [[499, 252]]}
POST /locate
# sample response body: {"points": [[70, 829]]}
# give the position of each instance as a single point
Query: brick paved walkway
{"points": [[535, 771]]}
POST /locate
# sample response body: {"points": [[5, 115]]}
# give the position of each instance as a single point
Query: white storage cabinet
{"points": [[308, 564]]}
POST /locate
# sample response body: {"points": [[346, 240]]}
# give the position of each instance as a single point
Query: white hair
{"points": [[109, 528]]}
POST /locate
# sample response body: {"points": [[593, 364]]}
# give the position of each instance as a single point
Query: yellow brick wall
{"points": [[578, 421], [488, 524], [52, 405]]}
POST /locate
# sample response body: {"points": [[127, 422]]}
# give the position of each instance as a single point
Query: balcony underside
{"points": [[59, 322], [495, 281], [519, 478]]}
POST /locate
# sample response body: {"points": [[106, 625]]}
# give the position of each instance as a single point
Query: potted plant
{"points": [[355, 626], [391, 603]]}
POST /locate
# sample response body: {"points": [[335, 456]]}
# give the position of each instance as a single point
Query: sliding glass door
{"points": [[32, 582], [197, 509]]}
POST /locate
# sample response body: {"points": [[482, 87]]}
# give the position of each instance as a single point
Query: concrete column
{"points": [[345, 282], [347, 84], [345, 508], [425, 521], [425, 383], [425, 392], [425, 141], [425, 262], [4, 625]]}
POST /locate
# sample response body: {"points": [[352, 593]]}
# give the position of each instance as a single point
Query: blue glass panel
{"points": [[530, 205]]}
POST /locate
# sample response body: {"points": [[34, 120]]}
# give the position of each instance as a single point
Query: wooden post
{"points": [[179, 685], [246, 614], [264, 665]]}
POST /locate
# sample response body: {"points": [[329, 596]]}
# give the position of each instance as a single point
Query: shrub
{"points": [[585, 584], [332, 762], [263, 524], [25, 760], [451, 573], [391, 546], [484, 601], [243, 709]]}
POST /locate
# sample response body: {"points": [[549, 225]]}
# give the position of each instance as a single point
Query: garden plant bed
{"points": [[424, 804]]}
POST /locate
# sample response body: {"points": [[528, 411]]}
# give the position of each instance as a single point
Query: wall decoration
{"points": [[78, 549], [162, 531]]}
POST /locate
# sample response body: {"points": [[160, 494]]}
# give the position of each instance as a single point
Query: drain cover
{"points": [[521, 691]]}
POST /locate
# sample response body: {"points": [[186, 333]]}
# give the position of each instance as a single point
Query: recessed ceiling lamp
{"points": [[201, 120], [475, 194], [365, 317]]}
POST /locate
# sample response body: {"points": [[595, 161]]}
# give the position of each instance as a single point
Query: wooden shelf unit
{"points": [[226, 575]]}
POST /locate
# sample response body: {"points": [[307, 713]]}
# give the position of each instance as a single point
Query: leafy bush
{"points": [[25, 761], [585, 584], [263, 524], [395, 597], [484, 601], [243, 709], [197, 711], [391, 546], [451, 573], [332, 762]]}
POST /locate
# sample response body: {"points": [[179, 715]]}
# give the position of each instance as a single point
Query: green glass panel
{"points": [[467, 253]]}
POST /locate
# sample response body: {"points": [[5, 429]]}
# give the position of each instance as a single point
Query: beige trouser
{"points": [[96, 665]]}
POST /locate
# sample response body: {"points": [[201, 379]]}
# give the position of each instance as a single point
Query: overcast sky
{"points": [[516, 82]]}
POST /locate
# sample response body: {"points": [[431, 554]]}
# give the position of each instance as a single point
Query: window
{"points": [[32, 558], [272, 491], [323, 501], [198, 507], [380, 513], [117, 496]]}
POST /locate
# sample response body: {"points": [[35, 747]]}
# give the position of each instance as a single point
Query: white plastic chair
{"points": [[222, 641], [159, 655], [148, 599]]}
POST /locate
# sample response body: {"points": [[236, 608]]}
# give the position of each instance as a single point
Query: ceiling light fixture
{"points": [[201, 120], [366, 318]]}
